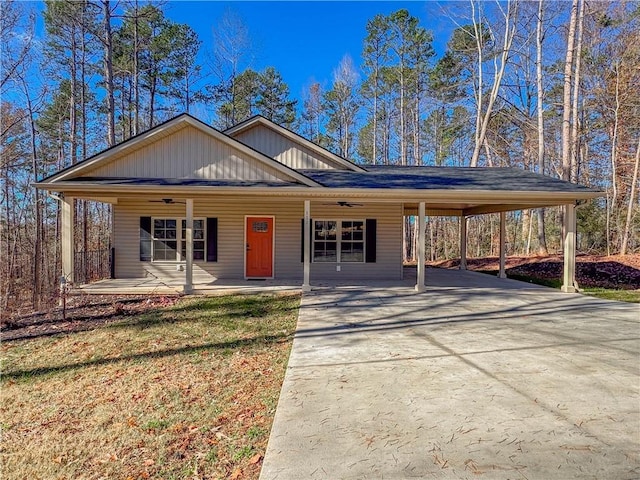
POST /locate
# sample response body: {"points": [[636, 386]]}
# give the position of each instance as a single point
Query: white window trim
{"points": [[178, 239], [339, 239]]}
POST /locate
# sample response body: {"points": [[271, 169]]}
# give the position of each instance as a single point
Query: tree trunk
{"points": [[477, 30], [403, 147], [136, 88], [152, 102], [576, 97], [526, 229], [566, 94], [542, 238], [73, 99], [108, 73], [37, 245], [614, 152], [509, 32], [632, 201], [374, 146]]}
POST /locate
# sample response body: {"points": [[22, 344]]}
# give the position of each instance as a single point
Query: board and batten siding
{"points": [[285, 150], [231, 248], [188, 153]]}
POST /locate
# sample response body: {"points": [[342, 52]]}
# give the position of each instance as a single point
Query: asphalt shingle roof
{"points": [[385, 177], [443, 178]]}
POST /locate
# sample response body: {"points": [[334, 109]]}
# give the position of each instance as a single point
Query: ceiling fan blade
{"points": [[167, 201], [343, 203]]}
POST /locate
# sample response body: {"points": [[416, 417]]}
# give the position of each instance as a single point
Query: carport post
{"points": [[306, 285], [67, 221], [421, 239], [463, 242], [188, 275], [503, 252], [569, 277]]}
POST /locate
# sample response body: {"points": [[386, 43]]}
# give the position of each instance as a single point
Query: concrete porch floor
{"points": [[477, 377], [144, 286], [435, 277]]}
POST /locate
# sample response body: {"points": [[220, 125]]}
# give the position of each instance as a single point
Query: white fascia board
{"points": [[404, 195]]}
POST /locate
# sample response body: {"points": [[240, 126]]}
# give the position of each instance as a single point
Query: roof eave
{"points": [[486, 196]]}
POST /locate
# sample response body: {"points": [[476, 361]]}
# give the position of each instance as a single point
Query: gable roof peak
{"points": [[157, 132], [293, 136]]}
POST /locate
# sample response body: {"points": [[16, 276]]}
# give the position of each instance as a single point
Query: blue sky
{"points": [[306, 40], [303, 40]]}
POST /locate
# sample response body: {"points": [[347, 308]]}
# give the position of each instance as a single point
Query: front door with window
{"points": [[259, 247]]}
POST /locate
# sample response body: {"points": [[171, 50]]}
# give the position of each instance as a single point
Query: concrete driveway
{"points": [[475, 378]]}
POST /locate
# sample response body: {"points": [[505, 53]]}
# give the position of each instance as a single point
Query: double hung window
{"points": [[167, 237], [338, 241]]}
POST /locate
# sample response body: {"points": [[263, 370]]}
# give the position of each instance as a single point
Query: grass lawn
{"points": [[183, 392]]}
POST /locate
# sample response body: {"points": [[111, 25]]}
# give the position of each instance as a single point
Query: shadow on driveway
{"points": [[474, 378]]}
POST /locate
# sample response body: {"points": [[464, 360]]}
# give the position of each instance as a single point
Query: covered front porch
{"points": [[183, 279]]}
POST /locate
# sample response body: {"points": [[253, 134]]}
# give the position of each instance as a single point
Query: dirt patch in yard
{"points": [[82, 313]]}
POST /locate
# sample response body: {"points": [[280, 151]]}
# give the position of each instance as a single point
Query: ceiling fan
{"points": [[166, 201], [342, 203]]}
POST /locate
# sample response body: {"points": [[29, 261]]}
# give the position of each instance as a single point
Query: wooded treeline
{"points": [[551, 87]]}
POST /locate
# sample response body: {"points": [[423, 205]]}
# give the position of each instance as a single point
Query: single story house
{"points": [[259, 201]]}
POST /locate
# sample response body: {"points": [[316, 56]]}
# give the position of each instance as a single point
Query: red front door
{"points": [[259, 247]]}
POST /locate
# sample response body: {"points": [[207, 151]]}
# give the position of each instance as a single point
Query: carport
{"points": [[459, 192]]}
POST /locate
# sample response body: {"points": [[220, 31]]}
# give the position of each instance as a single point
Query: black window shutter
{"points": [[370, 232], [302, 234], [145, 239], [212, 239]]}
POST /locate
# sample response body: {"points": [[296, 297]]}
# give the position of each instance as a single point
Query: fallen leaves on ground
{"points": [[177, 392]]}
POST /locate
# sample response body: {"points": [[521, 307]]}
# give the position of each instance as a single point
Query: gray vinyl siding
{"points": [[285, 150], [189, 153], [231, 220]]}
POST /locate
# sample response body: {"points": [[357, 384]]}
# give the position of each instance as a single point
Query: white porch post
{"points": [[67, 219], [188, 275], [503, 250], [420, 287], [569, 277], [463, 242], [306, 285]]}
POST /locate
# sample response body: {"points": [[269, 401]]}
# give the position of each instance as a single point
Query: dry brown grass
{"points": [[184, 392]]}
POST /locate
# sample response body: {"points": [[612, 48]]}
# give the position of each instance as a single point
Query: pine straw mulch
{"points": [[613, 272]]}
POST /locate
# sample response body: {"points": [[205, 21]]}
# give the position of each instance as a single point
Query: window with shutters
{"points": [[338, 241], [167, 237]]}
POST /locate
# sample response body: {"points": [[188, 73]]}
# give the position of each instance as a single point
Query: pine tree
{"points": [[274, 102]]}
